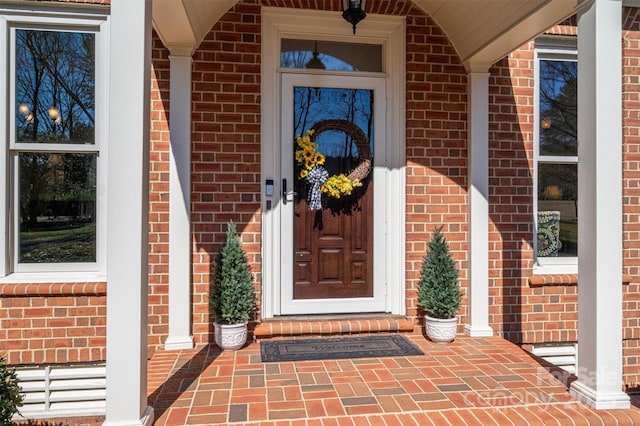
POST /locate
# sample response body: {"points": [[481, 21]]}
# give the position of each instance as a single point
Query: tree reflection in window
{"points": [[55, 104], [57, 207], [55, 87], [558, 107], [557, 154]]}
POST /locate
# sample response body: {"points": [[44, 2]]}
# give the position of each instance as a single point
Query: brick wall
{"points": [[631, 193], [436, 173], [510, 189], [522, 310], [159, 197], [53, 322], [225, 149], [631, 335]]}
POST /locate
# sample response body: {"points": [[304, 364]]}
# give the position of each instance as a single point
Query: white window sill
{"points": [[52, 277], [554, 267]]}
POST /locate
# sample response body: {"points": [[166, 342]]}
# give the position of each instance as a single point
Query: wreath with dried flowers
{"points": [[311, 162]]}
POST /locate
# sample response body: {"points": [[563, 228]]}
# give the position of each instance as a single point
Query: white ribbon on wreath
{"points": [[317, 177]]}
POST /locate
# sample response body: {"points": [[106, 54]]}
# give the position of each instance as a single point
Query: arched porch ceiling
{"points": [[482, 31], [182, 24]]}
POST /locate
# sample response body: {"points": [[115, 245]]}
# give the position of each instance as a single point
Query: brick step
{"points": [[331, 325]]}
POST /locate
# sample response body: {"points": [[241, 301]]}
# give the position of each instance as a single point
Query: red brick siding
{"points": [[436, 173], [225, 149], [53, 322], [510, 190], [382, 7], [631, 335], [519, 312], [159, 196], [631, 192]]}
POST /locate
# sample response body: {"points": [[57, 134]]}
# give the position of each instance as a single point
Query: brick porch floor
{"points": [[470, 381]]}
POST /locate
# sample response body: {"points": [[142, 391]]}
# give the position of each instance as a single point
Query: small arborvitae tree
{"points": [[10, 397], [232, 297], [439, 295]]}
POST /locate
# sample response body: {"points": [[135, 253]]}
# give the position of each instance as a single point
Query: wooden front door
{"points": [[333, 251], [330, 132]]}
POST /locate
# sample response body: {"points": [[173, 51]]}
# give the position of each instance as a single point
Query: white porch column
{"points": [[127, 214], [599, 381], [180, 336], [478, 160]]}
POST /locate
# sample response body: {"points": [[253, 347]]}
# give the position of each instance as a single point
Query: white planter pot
{"points": [[440, 330], [230, 337]]}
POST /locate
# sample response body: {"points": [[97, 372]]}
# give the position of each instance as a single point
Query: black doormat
{"points": [[337, 348]]}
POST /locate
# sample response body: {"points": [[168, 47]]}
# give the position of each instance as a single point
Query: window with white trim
{"points": [[54, 158], [556, 154]]}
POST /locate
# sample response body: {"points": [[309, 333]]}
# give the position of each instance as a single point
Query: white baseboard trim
{"points": [[177, 343], [599, 400], [472, 331]]}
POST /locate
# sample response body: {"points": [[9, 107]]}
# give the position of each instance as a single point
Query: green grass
{"points": [[72, 244], [83, 232]]}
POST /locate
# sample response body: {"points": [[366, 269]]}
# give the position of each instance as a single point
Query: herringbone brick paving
{"points": [[486, 381]]}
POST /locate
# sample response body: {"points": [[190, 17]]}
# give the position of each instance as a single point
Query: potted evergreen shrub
{"points": [[439, 293], [10, 397], [232, 297]]}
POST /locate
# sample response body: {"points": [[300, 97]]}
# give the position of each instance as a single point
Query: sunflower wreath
{"points": [[311, 163]]}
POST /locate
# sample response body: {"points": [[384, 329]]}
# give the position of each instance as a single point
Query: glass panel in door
{"points": [[333, 220]]}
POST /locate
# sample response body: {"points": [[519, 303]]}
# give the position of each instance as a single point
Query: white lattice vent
{"points": [[561, 355], [62, 391]]}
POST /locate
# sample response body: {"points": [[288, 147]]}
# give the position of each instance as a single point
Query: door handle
{"points": [[286, 193]]}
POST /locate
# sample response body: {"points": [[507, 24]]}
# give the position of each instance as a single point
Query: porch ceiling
{"points": [[182, 24], [482, 31]]}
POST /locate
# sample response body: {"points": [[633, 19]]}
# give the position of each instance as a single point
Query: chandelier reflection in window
{"points": [[315, 62], [25, 111]]}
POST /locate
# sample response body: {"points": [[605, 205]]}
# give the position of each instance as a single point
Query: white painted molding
{"points": [[478, 188], [599, 400], [600, 353], [480, 331], [5, 202], [128, 213], [178, 343], [180, 336]]}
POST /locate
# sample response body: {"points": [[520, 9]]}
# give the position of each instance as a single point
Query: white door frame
{"points": [[389, 31]]}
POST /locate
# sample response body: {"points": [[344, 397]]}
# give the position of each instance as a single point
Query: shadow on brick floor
{"points": [[182, 375]]}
